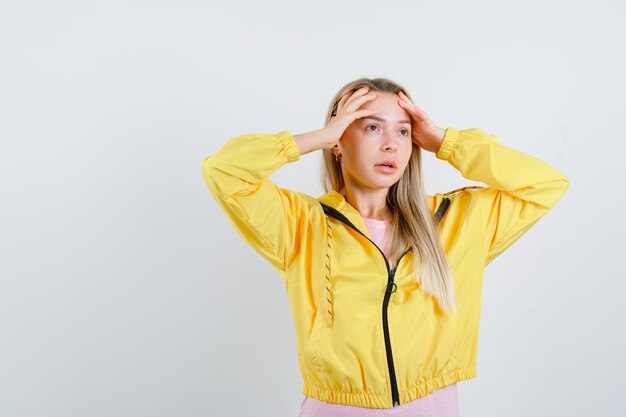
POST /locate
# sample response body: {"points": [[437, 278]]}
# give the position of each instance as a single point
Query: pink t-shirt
{"points": [[441, 403]]}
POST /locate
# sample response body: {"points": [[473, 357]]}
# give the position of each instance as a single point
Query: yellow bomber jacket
{"points": [[366, 335]]}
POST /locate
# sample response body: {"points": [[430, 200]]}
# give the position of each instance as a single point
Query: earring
{"points": [[337, 158]]}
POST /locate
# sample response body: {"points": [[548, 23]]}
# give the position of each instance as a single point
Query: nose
{"points": [[389, 142]]}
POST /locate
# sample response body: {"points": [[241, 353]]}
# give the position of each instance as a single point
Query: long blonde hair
{"points": [[411, 219]]}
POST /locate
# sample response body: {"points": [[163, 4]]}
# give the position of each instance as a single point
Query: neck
{"points": [[369, 203]]}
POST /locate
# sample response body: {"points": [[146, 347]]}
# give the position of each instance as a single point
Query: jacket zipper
{"points": [[395, 396]]}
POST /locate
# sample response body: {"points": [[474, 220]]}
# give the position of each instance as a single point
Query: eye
{"points": [[408, 133]]}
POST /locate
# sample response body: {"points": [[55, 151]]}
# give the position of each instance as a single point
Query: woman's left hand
{"points": [[424, 133]]}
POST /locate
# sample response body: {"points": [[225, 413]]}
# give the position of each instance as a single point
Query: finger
{"points": [[406, 100], [364, 112], [339, 105], [356, 95], [350, 94], [346, 97], [354, 105], [404, 96], [413, 109], [342, 100]]}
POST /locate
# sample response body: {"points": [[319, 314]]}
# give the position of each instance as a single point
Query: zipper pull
{"points": [[391, 284]]}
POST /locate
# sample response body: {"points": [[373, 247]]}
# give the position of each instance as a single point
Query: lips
{"points": [[388, 167], [387, 162]]}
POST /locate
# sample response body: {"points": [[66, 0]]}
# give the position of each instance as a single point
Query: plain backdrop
{"points": [[125, 292]]}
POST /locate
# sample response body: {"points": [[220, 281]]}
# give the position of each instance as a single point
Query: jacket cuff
{"points": [[292, 153], [450, 141]]}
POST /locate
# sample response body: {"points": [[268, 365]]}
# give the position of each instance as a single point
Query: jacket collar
{"points": [[337, 201], [333, 199]]}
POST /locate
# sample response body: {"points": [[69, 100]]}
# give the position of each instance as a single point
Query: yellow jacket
{"points": [[367, 336]]}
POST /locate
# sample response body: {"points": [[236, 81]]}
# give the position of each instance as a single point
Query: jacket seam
{"points": [[266, 240], [483, 225], [334, 390], [454, 371]]}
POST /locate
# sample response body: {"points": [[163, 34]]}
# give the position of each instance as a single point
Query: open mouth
{"points": [[388, 163], [386, 167]]}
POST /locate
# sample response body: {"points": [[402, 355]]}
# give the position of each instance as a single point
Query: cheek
{"points": [[361, 158], [407, 154]]}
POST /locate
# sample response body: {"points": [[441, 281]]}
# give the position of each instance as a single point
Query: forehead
{"points": [[387, 107]]}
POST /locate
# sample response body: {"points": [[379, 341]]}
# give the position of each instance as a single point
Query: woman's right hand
{"points": [[347, 112]]}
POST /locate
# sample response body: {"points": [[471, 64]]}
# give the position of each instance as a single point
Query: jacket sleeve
{"points": [[520, 188], [264, 215]]}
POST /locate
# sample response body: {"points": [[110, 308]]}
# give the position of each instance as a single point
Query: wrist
{"points": [[440, 133], [310, 141]]}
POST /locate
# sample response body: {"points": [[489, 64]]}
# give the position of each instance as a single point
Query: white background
{"points": [[125, 292]]}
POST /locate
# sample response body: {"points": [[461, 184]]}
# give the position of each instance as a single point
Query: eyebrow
{"points": [[380, 119]]}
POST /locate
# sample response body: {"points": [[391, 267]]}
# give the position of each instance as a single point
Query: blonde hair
{"points": [[411, 219]]}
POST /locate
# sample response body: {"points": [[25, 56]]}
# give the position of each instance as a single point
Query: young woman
{"points": [[384, 281]]}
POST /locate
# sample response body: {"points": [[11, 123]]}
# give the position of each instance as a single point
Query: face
{"points": [[370, 140]]}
